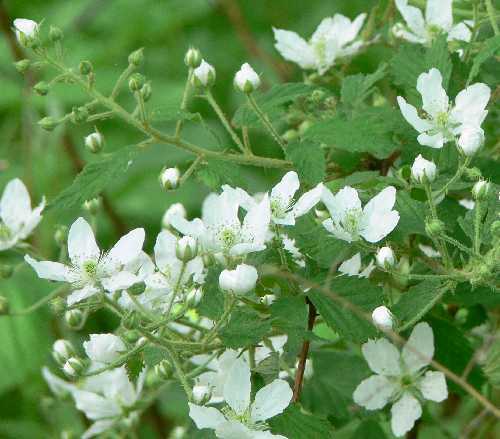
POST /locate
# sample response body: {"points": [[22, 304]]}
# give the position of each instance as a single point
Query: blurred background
{"points": [[228, 32]]}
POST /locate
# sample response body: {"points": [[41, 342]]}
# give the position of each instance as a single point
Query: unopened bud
{"points": [[423, 171], [6, 271], [193, 298], [146, 91], [164, 370], [383, 318], [4, 306], [79, 115], [58, 305], [186, 249], [136, 58], [131, 320], [239, 281], [176, 209], [62, 351], [192, 58], [94, 142], [136, 82], [203, 75], [23, 65], [137, 289], [26, 31], [317, 96], [131, 336], [92, 206], [61, 235], [48, 123], [74, 367], [434, 227], [41, 88], [85, 68], [290, 135], [201, 394], [169, 178], [480, 190], [74, 318], [385, 258], [55, 34], [471, 139], [304, 126], [246, 79]]}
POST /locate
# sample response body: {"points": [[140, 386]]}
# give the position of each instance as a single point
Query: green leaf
{"points": [[245, 328], [357, 88], [371, 131], [465, 295], [272, 102], [134, 366], [295, 424], [362, 294], [369, 429], [361, 180], [173, 113], [490, 48], [411, 216], [216, 173], [309, 161], [416, 299], [269, 367], [153, 355], [212, 301], [94, 178]]}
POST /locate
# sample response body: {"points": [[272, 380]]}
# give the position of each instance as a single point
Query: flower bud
{"points": [[85, 68], [239, 281], [79, 115], [4, 306], [41, 88], [92, 206], [58, 305], [186, 249], [423, 171], [434, 227], [201, 394], [55, 34], [73, 318], [203, 75], [290, 135], [317, 96], [169, 178], [136, 82], [480, 190], [62, 351], [246, 79], [131, 336], [137, 289], [305, 125], [26, 31], [164, 370], [192, 58], [23, 65], [48, 123], [74, 367], [131, 320], [136, 58], [385, 258], [176, 209], [382, 318], [193, 298], [470, 140], [94, 142], [6, 271], [61, 235], [146, 91]]}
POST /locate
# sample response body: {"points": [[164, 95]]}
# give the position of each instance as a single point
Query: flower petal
{"points": [[104, 348], [419, 349], [165, 249], [50, 270], [237, 386], [460, 32], [205, 417], [412, 15], [127, 248], [307, 201], [294, 48], [404, 414], [82, 245], [271, 400], [119, 281], [95, 406], [382, 202], [98, 428], [379, 225], [470, 104], [374, 392], [256, 222], [434, 141], [439, 13], [234, 430], [32, 221], [352, 266], [79, 295], [286, 188], [382, 357], [15, 205], [410, 113], [433, 386], [343, 201], [434, 97]]}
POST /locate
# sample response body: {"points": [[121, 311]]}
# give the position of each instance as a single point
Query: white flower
{"points": [[467, 203], [352, 267], [429, 251], [169, 178], [220, 231], [246, 80], [204, 75], [25, 28], [438, 20], [423, 170], [104, 348], [57, 386], [176, 209], [382, 318], [92, 271], [400, 379], [385, 257], [62, 350], [443, 122], [94, 141], [239, 281], [349, 221], [470, 140], [335, 37], [242, 418], [17, 219]]}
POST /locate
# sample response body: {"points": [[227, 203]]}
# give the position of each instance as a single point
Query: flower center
{"points": [[442, 120], [278, 207], [228, 238], [90, 269], [406, 381], [5, 233], [350, 221], [320, 50], [433, 31]]}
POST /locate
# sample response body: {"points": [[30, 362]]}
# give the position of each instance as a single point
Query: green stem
{"points": [[185, 96], [222, 117], [458, 174], [477, 227], [456, 243], [229, 305], [265, 121], [43, 301], [491, 14], [142, 107], [121, 79], [190, 170]]}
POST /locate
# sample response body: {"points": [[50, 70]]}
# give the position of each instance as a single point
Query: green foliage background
{"points": [[105, 32]]}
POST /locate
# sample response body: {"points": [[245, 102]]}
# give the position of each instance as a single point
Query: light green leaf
{"points": [[490, 48], [245, 328], [411, 216], [216, 173], [357, 88], [295, 424], [416, 299], [309, 161]]}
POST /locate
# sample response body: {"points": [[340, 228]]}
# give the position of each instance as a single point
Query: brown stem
{"points": [[299, 376]]}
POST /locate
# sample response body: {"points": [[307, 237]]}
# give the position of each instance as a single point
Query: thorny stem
{"points": [[477, 227]]}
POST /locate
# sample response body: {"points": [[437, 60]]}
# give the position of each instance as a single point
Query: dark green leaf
{"points": [[356, 88], [216, 173], [212, 302], [309, 161], [369, 429], [411, 216], [134, 366], [295, 424], [269, 367], [489, 49], [416, 299], [152, 355], [245, 328]]}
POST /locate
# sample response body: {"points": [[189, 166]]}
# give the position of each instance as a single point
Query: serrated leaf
{"points": [[244, 328], [465, 295], [416, 299], [411, 216], [295, 424], [269, 367], [309, 161], [357, 88], [215, 173], [362, 294], [271, 102], [134, 366], [153, 355], [369, 429], [362, 180], [370, 131], [490, 48], [94, 178], [212, 301]]}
